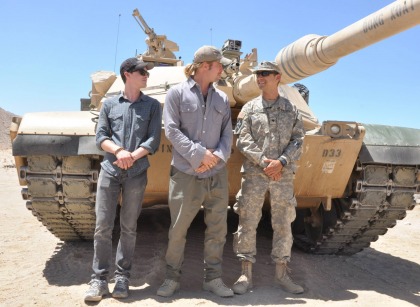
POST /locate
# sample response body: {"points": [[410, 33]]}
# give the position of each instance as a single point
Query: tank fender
{"points": [[390, 145], [56, 133], [60, 145]]}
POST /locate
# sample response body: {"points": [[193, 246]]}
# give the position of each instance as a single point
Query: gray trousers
{"points": [[109, 188], [187, 194]]}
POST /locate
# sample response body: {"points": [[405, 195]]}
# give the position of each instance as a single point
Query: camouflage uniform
{"points": [[267, 131]]}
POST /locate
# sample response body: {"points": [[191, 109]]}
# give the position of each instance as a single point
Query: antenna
{"points": [[116, 44], [211, 36]]}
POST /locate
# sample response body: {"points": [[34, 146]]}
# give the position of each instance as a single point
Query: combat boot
{"points": [[218, 287], [244, 282], [283, 280]]}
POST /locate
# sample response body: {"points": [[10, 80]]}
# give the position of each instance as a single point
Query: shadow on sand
{"points": [[327, 278]]}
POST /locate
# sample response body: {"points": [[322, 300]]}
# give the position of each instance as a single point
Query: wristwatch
{"points": [[283, 161]]}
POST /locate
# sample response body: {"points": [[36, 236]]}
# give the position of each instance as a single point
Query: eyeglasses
{"points": [[265, 73], [143, 72]]}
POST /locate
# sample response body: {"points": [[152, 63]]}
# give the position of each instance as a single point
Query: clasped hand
{"points": [[209, 161], [124, 160], [273, 169]]}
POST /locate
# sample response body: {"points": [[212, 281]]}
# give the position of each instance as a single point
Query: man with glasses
{"points": [[198, 124], [270, 135], [129, 129]]}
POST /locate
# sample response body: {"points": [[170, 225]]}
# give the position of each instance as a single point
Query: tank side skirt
{"points": [[61, 194], [381, 195]]}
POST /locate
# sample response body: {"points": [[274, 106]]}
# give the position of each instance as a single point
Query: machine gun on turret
{"points": [[160, 50]]}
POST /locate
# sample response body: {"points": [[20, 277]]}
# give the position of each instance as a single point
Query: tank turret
{"points": [[353, 181]]}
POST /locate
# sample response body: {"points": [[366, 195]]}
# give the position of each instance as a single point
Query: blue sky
{"points": [[50, 48]]}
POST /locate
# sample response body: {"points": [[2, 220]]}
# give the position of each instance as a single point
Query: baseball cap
{"points": [[210, 54], [268, 66], [134, 64]]}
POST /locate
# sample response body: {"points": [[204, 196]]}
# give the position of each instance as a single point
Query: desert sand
{"points": [[37, 269]]}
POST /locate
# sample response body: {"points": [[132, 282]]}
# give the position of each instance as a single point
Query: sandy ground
{"points": [[36, 269]]}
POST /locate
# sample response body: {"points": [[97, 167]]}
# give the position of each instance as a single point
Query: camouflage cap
{"points": [[210, 54], [133, 64], [268, 66]]}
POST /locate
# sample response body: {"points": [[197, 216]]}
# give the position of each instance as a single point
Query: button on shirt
{"points": [[193, 125], [129, 125]]}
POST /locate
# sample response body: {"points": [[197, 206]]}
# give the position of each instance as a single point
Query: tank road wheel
{"points": [[313, 223], [311, 226]]}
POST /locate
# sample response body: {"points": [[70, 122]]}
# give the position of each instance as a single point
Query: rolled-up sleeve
{"points": [[103, 131], [151, 144]]}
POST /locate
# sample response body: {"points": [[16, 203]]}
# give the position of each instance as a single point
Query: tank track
{"points": [[380, 195], [61, 194]]}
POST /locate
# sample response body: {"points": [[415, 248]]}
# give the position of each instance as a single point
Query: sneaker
{"points": [[168, 288], [121, 287], [217, 287], [98, 288]]}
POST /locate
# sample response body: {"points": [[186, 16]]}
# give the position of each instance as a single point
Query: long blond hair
{"points": [[190, 69]]}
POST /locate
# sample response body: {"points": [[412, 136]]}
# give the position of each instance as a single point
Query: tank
{"points": [[353, 181]]}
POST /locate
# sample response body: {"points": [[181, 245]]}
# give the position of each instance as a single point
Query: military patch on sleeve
{"points": [[239, 121]]}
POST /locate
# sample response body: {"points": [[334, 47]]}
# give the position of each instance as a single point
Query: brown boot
{"points": [[244, 282], [283, 280]]}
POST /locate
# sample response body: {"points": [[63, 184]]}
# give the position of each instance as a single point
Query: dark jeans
{"points": [[109, 188]]}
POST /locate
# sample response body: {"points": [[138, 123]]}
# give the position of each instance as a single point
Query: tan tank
{"points": [[354, 181]]}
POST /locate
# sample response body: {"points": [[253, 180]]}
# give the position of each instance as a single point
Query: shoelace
{"points": [[121, 280], [220, 284], [95, 284], [167, 283]]}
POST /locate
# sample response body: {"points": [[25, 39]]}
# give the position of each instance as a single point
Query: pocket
{"points": [[189, 112], [218, 111], [142, 117], [116, 121], [142, 122], [173, 171], [259, 124]]}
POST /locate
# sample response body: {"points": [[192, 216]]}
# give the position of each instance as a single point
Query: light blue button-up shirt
{"points": [[192, 126]]}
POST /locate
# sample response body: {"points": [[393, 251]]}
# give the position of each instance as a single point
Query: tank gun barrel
{"points": [[312, 53]]}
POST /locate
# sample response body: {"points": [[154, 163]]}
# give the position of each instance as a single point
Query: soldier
{"points": [[128, 130], [198, 124], [270, 135]]}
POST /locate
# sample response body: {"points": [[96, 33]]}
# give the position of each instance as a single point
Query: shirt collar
{"points": [[191, 83], [122, 99]]}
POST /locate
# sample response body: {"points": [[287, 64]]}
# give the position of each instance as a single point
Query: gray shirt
{"points": [[193, 125], [129, 125]]}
